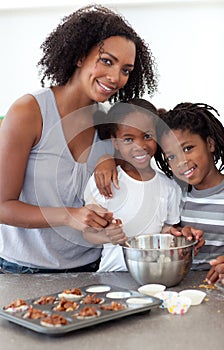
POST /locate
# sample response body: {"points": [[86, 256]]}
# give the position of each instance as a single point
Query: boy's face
{"points": [[136, 139], [190, 157]]}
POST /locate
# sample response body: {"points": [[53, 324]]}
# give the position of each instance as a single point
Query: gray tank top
{"points": [[53, 178]]}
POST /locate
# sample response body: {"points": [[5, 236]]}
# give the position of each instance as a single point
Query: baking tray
{"points": [[133, 301]]}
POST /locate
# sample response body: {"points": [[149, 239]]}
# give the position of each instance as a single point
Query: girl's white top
{"points": [[143, 207]]}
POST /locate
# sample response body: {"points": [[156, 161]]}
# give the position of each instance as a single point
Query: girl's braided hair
{"points": [[78, 33], [197, 118]]}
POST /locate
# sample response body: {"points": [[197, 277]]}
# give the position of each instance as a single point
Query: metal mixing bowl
{"points": [[159, 258]]}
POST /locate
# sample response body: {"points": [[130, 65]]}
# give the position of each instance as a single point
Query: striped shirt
{"points": [[204, 210]]}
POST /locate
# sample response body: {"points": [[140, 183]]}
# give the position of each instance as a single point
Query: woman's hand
{"points": [[89, 216], [105, 172], [217, 270], [190, 233]]}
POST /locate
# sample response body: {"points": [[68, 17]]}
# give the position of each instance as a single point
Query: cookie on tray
{"points": [[35, 314], [87, 312], [54, 321], [66, 305], [92, 299], [46, 300], [18, 305], [113, 306], [71, 294]]}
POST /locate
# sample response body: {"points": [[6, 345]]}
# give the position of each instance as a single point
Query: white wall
{"points": [[186, 38]]}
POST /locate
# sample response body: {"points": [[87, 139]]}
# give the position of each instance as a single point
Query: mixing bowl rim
{"points": [[187, 245]]}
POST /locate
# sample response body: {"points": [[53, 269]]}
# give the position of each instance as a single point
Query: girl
{"points": [[192, 143], [147, 201], [49, 145]]}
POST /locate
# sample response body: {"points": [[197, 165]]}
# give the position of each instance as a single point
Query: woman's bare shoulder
{"points": [[24, 116], [25, 105]]}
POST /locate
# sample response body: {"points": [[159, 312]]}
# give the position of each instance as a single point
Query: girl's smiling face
{"points": [[136, 141], [191, 158], [106, 69]]}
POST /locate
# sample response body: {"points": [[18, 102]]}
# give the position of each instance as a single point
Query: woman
{"points": [[49, 145]]}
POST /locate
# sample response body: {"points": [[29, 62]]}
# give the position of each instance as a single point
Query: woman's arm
{"points": [[20, 131]]}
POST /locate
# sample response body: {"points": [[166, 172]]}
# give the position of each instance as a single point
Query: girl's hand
{"points": [[217, 270], [105, 172], [89, 216], [114, 232]]}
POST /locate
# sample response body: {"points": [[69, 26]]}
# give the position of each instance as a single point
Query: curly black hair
{"points": [[197, 118], [78, 33], [107, 123]]}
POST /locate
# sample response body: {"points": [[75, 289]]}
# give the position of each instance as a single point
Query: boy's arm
{"points": [[217, 270], [189, 232]]}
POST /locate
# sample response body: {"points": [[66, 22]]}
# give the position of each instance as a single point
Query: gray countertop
{"points": [[201, 328]]}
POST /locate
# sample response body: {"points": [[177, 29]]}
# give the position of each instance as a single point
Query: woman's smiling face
{"points": [[106, 69], [190, 158]]}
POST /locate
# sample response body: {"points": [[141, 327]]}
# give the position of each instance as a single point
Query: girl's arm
{"points": [[113, 233], [105, 172], [20, 131]]}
